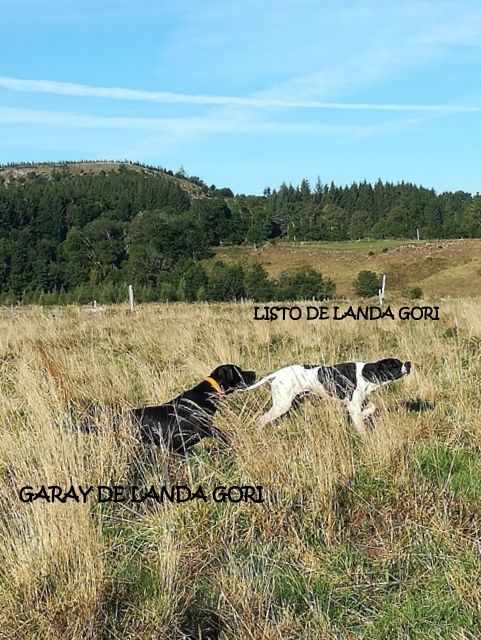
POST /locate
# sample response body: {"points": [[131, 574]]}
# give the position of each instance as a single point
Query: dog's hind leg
{"points": [[221, 437], [281, 403]]}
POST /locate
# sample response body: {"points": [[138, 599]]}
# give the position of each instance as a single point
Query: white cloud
{"points": [[260, 101], [228, 121], [366, 44]]}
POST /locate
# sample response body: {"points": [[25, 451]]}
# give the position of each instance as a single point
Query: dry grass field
{"points": [[441, 268], [374, 538]]}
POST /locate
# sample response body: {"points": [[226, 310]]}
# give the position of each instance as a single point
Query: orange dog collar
{"points": [[213, 383]]}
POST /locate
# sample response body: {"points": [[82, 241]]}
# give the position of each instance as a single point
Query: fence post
{"points": [[131, 298], [382, 290]]}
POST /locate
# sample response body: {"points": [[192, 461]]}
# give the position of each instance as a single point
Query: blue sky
{"points": [[248, 94]]}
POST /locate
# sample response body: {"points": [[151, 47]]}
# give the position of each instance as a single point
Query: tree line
{"points": [[232, 282], [74, 236]]}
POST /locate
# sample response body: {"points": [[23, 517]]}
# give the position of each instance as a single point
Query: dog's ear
{"points": [[382, 370], [232, 377], [224, 374], [390, 364], [241, 378], [371, 372], [390, 369]]}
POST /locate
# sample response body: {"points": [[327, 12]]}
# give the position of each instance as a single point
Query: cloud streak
{"points": [[259, 102], [230, 122]]}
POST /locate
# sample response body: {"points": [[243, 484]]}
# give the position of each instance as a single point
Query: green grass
{"points": [[457, 470], [347, 245]]}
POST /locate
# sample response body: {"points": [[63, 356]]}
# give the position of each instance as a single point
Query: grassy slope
{"points": [[375, 539], [46, 170], [441, 267]]}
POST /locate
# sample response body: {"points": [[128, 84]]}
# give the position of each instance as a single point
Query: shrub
{"points": [[367, 284], [258, 286], [415, 293], [304, 284], [192, 279], [225, 282]]}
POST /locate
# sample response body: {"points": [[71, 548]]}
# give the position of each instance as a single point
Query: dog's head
{"points": [[231, 377], [386, 370]]}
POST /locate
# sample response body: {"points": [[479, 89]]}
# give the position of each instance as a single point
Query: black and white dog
{"points": [[182, 422], [349, 382]]}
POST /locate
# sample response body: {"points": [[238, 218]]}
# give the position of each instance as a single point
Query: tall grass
{"points": [[357, 538]]}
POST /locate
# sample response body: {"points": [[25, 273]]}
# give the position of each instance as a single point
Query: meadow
{"points": [[441, 268], [374, 538]]}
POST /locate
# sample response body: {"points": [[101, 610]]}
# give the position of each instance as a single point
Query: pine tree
{"points": [[257, 284]]}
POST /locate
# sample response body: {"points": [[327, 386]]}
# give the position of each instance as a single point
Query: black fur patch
{"points": [[338, 380], [185, 420], [232, 377], [383, 370]]}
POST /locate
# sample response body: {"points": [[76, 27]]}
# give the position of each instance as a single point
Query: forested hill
{"points": [[59, 170], [82, 226], [81, 230]]}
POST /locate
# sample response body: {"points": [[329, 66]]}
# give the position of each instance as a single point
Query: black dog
{"points": [[182, 422]]}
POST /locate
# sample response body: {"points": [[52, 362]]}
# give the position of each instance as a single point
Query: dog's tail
{"points": [[81, 427], [86, 419], [261, 382]]}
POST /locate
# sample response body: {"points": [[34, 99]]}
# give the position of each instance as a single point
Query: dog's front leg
{"points": [[368, 410], [354, 406]]}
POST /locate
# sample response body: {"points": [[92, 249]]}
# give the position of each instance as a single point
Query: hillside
{"points": [[9, 173], [440, 267], [78, 231]]}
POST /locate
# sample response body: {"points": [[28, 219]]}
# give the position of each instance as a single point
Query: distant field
{"points": [[442, 268], [362, 539], [349, 244]]}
